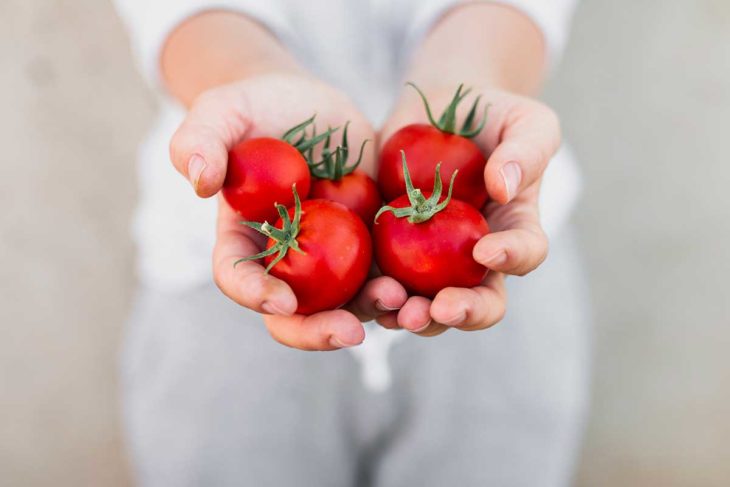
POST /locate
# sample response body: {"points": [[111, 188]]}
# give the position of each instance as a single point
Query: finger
{"points": [[388, 320], [415, 317], [328, 330], [433, 329], [519, 243], [199, 148], [516, 252], [527, 135], [379, 296], [246, 283], [471, 309]]}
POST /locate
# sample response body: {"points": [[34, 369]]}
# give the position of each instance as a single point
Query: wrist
{"points": [[498, 47], [216, 48]]}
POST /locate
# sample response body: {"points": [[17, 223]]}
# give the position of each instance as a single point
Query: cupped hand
{"points": [[268, 105], [520, 137]]}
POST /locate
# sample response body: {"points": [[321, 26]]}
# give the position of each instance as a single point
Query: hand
{"points": [[268, 105], [520, 137]]}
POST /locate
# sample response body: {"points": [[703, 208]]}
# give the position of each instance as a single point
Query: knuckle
{"points": [[538, 155], [544, 249], [552, 121], [277, 335], [550, 115], [544, 111], [433, 330], [208, 99], [533, 252], [218, 278], [176, 147], [219, 272], [493, 317], [513, 262], [539, 249], [281, 340], [499, 314], [483, 324], [521, 271]]}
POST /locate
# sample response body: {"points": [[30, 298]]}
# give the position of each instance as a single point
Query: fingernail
{"points": [[270, 308], [512, 176], [381, 307], [428, 323], [456, 319], [496, 259], [336, 342], [196, 166]]}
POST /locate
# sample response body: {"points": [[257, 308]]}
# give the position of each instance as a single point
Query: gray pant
{"points": [[212, 400]]}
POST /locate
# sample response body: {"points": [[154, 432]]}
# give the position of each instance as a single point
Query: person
{"points": [[210, 398]]}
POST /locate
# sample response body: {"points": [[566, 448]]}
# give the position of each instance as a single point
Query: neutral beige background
{"points": [[645, 97]]}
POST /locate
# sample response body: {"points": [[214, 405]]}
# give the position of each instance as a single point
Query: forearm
{"points": [[217, 47], [481, 44]]}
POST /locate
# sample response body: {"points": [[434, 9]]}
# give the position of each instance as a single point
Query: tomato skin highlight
{"points": [[430, 256], [261, 172], [357, 191], [336, 262], [425, 146]]}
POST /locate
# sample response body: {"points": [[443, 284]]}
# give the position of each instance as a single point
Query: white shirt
{"points": [[359, 46]]}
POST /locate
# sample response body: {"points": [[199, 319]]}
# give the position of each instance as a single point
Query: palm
{"points": [[517, 129], [268, 106]]}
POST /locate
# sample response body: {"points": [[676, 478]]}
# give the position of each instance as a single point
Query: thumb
{"points": [[217, 121], [529, 138]]}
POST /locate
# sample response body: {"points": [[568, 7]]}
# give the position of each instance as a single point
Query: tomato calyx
{"points": [[285, 237], [333, 164], [297, 136], [422, 209], [447, 121]]}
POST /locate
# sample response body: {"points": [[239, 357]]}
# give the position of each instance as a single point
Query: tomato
{"points": [[426, 243], [321, 249], [430, 256], [427, 145], [357, 191], [333, 179], [260, 173]]}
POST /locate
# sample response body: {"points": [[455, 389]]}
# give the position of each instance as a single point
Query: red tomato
{"points": [[260, 173], [430, 256], [426, 243], [357, 191], [425, 146], [336, 257], [334, 180], [321, 249]]}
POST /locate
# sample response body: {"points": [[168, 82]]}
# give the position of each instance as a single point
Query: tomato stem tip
{"points": [[447, 120], [333, 163], [422, 209], [285, 237], [297, 136]]}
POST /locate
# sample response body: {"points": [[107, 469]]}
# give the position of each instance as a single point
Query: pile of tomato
{"points": [[329, 218]]}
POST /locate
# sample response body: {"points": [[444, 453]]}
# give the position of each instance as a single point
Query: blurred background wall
{"points": [[644, 92], [645, 98]]}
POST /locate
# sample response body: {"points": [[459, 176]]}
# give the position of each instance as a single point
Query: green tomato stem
{"points": [[285, 237], [422, 209], [447, 121]]}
